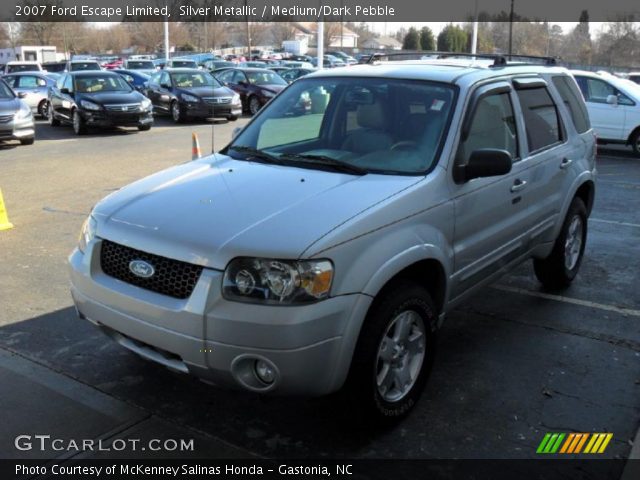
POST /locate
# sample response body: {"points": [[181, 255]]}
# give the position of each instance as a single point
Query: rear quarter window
{"points": [[572, 99]]}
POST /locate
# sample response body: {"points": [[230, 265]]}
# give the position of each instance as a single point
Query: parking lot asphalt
{"points": [[513, 363]]}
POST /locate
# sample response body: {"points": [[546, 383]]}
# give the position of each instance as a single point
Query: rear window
{"points": [[541, 119], [573, 101]]}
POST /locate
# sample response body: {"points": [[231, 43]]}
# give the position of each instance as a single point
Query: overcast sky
{"points": [[391, 27]]}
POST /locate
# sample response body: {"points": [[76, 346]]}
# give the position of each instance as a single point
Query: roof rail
{"points": [[499, 59]]}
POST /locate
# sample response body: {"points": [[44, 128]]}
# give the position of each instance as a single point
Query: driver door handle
{"points": [[518, 185], [565, 163]]}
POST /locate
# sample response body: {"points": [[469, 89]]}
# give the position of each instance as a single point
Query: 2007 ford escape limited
{"points": [[321, 249]]}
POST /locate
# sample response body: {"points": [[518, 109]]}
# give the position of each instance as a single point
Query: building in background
{"points": [[337, 36], [29, 53], [382, 43]]}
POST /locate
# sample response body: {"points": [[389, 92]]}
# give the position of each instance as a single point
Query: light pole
{"points": [[511, 31]]}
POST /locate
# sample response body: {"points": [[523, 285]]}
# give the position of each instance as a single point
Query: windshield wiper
{"points": [[256, 153], [328, 161]]}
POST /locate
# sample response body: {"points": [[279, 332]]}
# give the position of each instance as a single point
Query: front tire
{"points": [[557, 271], [79, 125], [394, 354], [42, 109], [144, 128], [254, 105], [176, 113], [232, 118], [27, 141], [635, 143]]}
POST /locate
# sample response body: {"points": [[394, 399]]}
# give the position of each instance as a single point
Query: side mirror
{"points": [[235, 132], [485, 162], [612, 99], [65, 91], [22, 94]]}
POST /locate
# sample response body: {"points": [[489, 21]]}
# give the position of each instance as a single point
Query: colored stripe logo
{"points": [[574, 443]]}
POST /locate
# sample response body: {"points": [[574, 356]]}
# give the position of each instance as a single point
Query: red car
{"points": [[256, 86], [115, 64]]}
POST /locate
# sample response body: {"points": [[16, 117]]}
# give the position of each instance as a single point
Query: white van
{"points": [[614, 107], [22, 66]]}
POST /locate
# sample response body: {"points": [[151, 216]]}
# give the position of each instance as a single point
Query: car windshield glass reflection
{"points": [[265, 78], [101, 83], [194, 79], [376, 125], [5, 91], [135, 65]]}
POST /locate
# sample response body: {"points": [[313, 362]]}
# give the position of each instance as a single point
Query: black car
{"points": [[189, 92], [256, 86], [294, 73], [97, 99]]}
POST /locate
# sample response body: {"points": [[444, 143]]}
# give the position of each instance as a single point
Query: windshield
{"points": [[5, 91], [78, 66], [194, 79], [265, 78], [101, 83], [22, 68], [376, 125], [141, 65]]}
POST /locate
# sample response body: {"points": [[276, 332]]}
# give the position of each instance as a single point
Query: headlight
{"points": [[23, 112], [87, 105], [189, 98], [235, 99], [146, 104], [276, 282], [87, 233]]}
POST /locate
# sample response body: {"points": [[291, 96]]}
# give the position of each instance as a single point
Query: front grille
{"points": [[172, 277], [129, 107], [6, 118], [217, 100]]}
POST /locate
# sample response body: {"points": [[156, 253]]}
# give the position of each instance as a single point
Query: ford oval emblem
{"points": [[141, 269]]}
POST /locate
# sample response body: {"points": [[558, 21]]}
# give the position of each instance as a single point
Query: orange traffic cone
{"points": [[195, 147], [5, 224]]}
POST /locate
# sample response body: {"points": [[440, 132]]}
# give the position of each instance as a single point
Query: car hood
{"points": [[9, 105], [213, 210], [271, 87], [108, 98], [208, 91]]}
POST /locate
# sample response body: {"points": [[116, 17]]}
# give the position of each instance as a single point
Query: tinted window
{"points": [[5, 92], [28, 81], [79, 66], [101, 83], [574, 103], [493, 126], [68, 83], [22, 68], [155, 78], [194, 79], [541, 119], [11, 81]]}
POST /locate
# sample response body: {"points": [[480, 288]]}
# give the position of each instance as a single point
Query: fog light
{"points": [[265, 372]]}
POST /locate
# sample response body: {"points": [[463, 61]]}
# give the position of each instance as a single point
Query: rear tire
{"points": [[254, 105], [144, 128], [557, 271], [232, 118], [394, 354], [42, 109]]}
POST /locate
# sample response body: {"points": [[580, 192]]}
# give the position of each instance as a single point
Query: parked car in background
{"points": [[160, 63], [278, 69], [253, 64], [136, 78], [16, 118], [117, 63], [192, 93], [256, 86], [634, 77], [294, 73], [144, 66], [213, 65], [33, 88], [82, 65], [329, 61], [97, 99], [21, 66], [294, 64], [347, 59], [54, 67], [614, 107], [181, 63], [301, 58]]}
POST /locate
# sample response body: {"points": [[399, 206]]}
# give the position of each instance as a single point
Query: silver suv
{"points": [[321, 249]]}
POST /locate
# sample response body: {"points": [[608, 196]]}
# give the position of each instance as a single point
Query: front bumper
{"points": [[309, 347], [101, 118], [18, 129], [203, 110]]}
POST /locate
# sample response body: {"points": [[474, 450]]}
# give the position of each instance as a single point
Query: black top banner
{"points": [[313, 10]]}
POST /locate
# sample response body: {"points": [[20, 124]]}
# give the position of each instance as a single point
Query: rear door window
{"points": [[541, 119], [573, 101]]}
